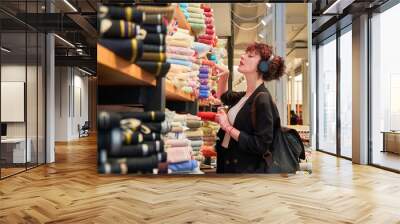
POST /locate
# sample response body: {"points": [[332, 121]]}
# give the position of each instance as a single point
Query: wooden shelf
{"points": [[180, 17], [173, 94], [114, 70]]}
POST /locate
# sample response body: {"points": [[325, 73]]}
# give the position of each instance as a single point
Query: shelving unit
{"points": [[173, 94], [116, 71]]}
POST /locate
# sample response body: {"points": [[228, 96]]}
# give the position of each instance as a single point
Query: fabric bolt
{"points": [[129, 14], [209, 20], [210, 26], [208, 151], [177, 142], [195, 20], [204, 87], [162, 127], [129, 49], [130, 137], [187, 89], [203, 81], [180, 50], [196, 16], [197, 27], [210, 31], [197, 143], [178, 42], [167, 11], [204, 69], [209, 143], [207, 131], [179, 154], [183, 166], [154, 38], [132, 165], [154, 48], [206, 8], [195, 138], [120, 29], [207, 116], [162, 29], [194, 133], [176, 129], [158, 69], [203, 76], [196, 5], [139, 150], [195, 9], [185, 5], [151, 56], [201, 48], [175, 68], [208, 14], [206, 37], [194, 123], [180, 57], [209, 138], [179, 62], [148, 116], [205, 41]]}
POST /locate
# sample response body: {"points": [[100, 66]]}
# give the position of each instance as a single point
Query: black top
{"points": [[245, 155]]}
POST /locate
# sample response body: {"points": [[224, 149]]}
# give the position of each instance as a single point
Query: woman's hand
{"points": [[223, 71], [223, 120]]}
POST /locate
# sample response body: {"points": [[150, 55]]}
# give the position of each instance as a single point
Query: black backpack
{"points": [[287, 148]]}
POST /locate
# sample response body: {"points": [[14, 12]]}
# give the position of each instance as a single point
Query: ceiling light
{"points": [[268, 5], [338, 6], [84, 71], [70, 5], [263, 22], [5, 50], [261, 36], [65, 41]]}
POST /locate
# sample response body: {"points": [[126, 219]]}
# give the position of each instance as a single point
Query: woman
{"points": [[241, 144]]}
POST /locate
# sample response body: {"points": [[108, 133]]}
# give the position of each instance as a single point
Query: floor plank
{"points": [[71, 191]]}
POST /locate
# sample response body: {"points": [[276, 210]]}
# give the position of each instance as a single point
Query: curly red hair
{"points": [[276, 67]]}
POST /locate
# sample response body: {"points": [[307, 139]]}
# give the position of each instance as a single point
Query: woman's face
{"points": [[249, 62]]}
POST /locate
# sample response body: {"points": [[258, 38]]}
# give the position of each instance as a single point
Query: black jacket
{"points": [[245, 155]]}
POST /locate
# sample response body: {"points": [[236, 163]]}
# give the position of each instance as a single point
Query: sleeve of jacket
{"points": [[230, 98], [261, 140]]}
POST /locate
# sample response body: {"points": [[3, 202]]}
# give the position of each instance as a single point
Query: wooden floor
{"points": [[70, 191]]}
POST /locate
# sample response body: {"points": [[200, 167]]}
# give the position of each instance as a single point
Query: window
{"points": [[385, 88], [327, 96]]}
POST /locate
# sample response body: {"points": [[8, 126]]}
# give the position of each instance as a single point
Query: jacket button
{"points": [[227, 162]]}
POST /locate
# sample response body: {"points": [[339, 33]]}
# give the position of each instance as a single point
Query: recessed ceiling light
{"points": [[5, 50], [263, 22], [268, 5], [261, 36], [70, 5]]}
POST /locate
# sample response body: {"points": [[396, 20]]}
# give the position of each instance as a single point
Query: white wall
{"points": [[71, 102]]}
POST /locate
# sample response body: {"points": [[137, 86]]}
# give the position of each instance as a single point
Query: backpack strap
{"points": [[267, 155]]}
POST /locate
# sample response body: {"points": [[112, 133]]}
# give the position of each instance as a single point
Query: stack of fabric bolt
{"points": [[136, 36], [209, 36], [179, 147], [167, 10], [204, 89], [131, 142], [209, 138], [196, 18], [183, 72], [194, 124]]}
